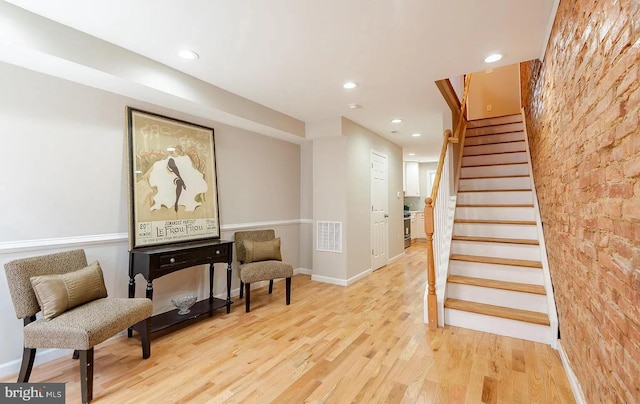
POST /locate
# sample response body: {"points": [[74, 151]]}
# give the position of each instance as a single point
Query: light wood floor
{"points": [[364, 343]]}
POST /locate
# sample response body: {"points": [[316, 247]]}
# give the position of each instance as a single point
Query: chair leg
{"points": [[288, 291], [270, 286], [76, 354], [86, 375], [241, 288], [145, 338], [247, 307], [28, 356]]}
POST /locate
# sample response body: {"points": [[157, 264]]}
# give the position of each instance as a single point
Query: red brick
{"points": [[620, 190], [631, 209], [613, 173], [632, 167]]}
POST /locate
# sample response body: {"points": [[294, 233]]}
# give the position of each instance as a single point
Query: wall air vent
{"points": [[329, 236]]}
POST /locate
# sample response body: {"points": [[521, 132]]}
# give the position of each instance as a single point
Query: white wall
{"points": [[361, 142], [342, 192], [330, 203], [498, 88], [64, 183], [306, 205]]}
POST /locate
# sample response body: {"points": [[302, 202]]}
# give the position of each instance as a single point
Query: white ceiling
{"points": [[294, 55]]}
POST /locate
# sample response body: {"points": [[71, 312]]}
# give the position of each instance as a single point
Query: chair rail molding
{"points": [[19, 246]]}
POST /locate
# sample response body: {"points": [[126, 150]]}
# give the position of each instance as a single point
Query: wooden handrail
{"points": [[463, 107], [436, 184], [460, 152], [462, 124], [430, 203]]}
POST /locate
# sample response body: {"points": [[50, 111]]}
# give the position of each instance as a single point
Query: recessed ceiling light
{"points": [[396, 120], [349, 85], [187, 54], [355, 106], [416, 135], [412, 154], [493, 58]]}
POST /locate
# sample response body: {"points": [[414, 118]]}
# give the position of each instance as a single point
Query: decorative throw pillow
{"points": [[58, 293], [261, 250]]}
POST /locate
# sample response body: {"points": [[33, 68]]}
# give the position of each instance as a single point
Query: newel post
{"points": [[431, 272]]}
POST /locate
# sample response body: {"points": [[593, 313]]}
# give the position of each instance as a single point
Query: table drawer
{"points": [[194, 257]]}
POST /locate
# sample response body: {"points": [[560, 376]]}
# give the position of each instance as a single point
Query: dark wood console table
{"points": [[157, 261]]}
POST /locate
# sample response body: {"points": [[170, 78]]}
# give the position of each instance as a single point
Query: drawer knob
{"points": [[172, 260], [218, 252]]}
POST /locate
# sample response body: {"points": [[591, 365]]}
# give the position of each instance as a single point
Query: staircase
{"points": [[496, 281]]}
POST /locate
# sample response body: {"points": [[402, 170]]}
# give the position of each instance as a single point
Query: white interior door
{"points": [[379, 210]]}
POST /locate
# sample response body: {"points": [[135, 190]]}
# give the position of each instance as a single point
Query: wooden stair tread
{"points": [[492, 143], [495, 205], [494, 164], [494, 176], [495, 190], [527, 316], [480, 123], [494, 153], [496, 261], [495, 284], [503, 132], [478, 221], [496, 240]]}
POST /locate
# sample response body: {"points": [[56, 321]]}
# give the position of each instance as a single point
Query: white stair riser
{"points": [[507, 273], [486, 139], [493, 148], [494, 159], [511, 127], [499, 326], [501, 213], [497, 297], [495, 183], [527, 232], [492, 171], [519, 197], [496, 250], [499, 120]]}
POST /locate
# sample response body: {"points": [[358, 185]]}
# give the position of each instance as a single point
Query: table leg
{"points": [[228, 287], [210, 282], [149, 290], [132, 293]]}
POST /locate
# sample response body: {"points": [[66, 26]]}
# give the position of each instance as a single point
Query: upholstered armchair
{"points": [[75, 311], [258, 252]]}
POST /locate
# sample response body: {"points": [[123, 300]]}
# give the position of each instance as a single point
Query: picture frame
{"points": [[173, 190]]}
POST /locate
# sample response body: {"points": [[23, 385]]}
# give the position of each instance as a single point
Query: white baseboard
{"points": [[576, 388], [327, 279], [397, 257], [302, 271], [42, 356], [341, 282]]}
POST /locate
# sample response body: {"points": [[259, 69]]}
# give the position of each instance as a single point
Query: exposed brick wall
{"points": [[583, 114]]}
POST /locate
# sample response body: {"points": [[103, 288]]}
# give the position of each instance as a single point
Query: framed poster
{"points": [[173, 194]]}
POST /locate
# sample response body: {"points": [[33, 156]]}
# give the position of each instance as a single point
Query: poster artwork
{"points": [[174, 191]]}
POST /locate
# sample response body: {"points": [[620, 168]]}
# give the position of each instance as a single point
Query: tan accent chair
{"points": [[79, 328], [262, 270]]}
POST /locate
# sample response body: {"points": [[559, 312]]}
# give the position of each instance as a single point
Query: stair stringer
{"points": [[548, 286]]}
